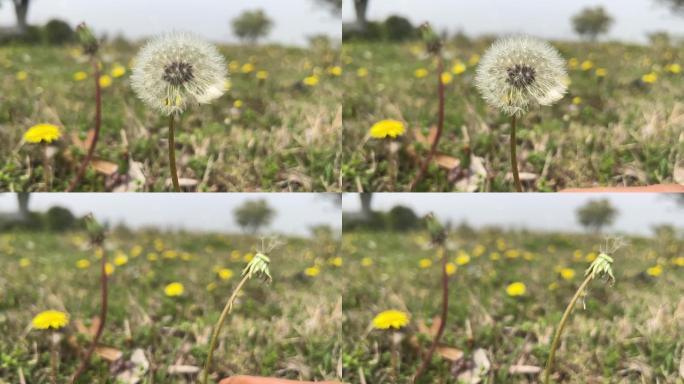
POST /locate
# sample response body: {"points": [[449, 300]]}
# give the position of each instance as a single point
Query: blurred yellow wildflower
{"points": [[384, 128], [105, 81], [234, 66], [211, 286], [573, 63], [447, 78], [451, 268], [650, 78], [50, 319], [235, 255], [459, 68], [311, 81], [225, 273], [567, 273], [24, 262], [22, 75], [247, 68], [170, 254], [462, 258], [601, 72], [83, 264], [80, 76], [590, 257], [390, 319], [678, 261], [494, 256], [587, 65], [247, 257], [262, 75], [420, 73], [98, 253], [174, 289], [516, 289], [152, 256], [577, 100], [479, 250], [474, 59], [425, 263], [674, 68], [336, 261], [42, 132], [366, 262], [120, 260], [335, 71], [136, 251], [238, 104], [109, 269], [512, 254], [553, 286], [655, 271], [362, 72], [312, 271], [118, 71]]}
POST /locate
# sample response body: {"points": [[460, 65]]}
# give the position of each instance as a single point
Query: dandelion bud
{"points": [[431, 39], [87, 39]]}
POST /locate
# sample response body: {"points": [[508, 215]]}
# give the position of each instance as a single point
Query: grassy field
{"points": [[288, 329], [276, 134], [614, 127], [628, 333]]}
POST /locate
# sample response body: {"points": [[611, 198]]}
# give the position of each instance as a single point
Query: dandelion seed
{"points": [[83, 264], [390, 319], [516, 289], [312, 271], [42, 133], [385, 128], [519, 71], [80, 76], [174, 290], [50, 319], [176, 70]]}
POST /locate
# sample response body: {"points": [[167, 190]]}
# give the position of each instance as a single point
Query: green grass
{"points": [[622, 132], [627, 333], [288, 329], [284, 137]]}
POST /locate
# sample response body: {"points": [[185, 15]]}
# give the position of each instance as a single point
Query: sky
{"points": [[294, 19], [543, 211], [296, 212], [547, 19]]}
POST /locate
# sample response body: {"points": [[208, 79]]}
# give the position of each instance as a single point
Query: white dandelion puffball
{"points": [[516, 72], [178, 69]]}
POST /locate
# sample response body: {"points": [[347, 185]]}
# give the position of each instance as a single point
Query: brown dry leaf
{"points": [[105, 167], [108, 353], [83, 144], [524, 370], [182, 369], [88, 331], [446, 161], [449, 353]]}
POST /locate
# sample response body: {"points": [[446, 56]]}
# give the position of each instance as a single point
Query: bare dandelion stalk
{"points": [[172, 154], [47, 170], [53, 359], [514, 156], [601, 267], [434, 46], [96, 232], [438, 236], [90, 46], [258, 266]]}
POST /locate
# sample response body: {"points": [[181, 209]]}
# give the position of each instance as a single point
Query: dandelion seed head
{"points": [[517, 72], [176, 70]]}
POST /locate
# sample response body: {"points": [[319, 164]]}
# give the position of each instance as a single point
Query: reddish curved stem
{"points": [[96, 135]]}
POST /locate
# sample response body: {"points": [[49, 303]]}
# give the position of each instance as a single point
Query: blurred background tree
{"points": [[677, 6], [335, 6], [596, 214], [254, 214], [21, 11], [592, 22], [250, 26]]}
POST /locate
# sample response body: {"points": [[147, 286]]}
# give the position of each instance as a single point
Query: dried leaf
{"points": [[523, 370], [105, 167], [182, 369], [446, 161], [451, 354], [109, 354]]}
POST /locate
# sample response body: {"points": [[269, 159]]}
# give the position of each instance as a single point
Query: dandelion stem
{"points": [[103, 317], [440, 124], [46, 168], [53, 360], [217, 328], [96, 133], [172, 154], [514, 156], [561, 326], [445, 310]]}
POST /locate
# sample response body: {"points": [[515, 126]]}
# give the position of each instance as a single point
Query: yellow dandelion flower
{"points": [[577, 100], [50, 319], [152, 256], [512, 254], [22, 75], [248, 257], [336, 261], [211, 286], [362, 72], [83, 264], [227, 85], [367, 261], [136, 251], [235, 255], [312, 271], [590, 257], [42, 132], [118, 71], [425, 263], [553, 286], [385, 128], [567, 273], [335, 71], [247, 68], [390, 319], [474, 59], [462, 258], [601, 72], [24, 262], [674, 68], [650, 78], [501, 245], [262, 75], [238, 104], [459, 68], [80, 76], [573, 63], [174, 289], [170, 254], [120, 260], [587, 65], [158, 245], [479, 250], [234, 66], [105, 81], [516, 289], [225, 273], [494, 256], [99, 253], [420, 73], [577, 255], [447, 78], [451, 268], [655, 271], [109, 269], [311, 81], [678, 261]]}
